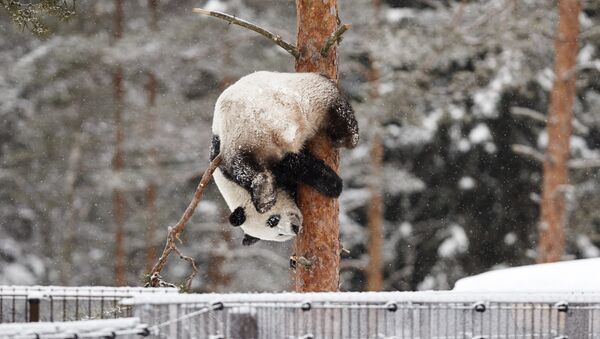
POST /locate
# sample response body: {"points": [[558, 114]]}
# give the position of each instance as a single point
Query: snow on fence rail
{"points": [[105, 328], [422, 315], [54, 303]]}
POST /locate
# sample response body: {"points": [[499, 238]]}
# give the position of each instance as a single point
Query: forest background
{"points": [[447, 94]]}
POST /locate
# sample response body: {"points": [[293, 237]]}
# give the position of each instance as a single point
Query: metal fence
{"points": [[49, 303], [371, 315]]}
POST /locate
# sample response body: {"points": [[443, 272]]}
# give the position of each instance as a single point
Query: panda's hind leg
{"points": [[342, 127], [306, 168], [256, 179]]}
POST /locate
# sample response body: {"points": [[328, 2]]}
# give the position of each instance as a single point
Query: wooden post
{"points": [[319, 240], [553, 210]]}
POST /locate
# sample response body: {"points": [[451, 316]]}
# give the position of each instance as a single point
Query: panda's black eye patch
{"points": [[273, 220]]}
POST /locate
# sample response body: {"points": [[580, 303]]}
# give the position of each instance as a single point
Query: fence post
{"points": [[34, 309]]}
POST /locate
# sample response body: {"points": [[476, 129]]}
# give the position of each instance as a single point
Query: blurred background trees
{"points": [[441, 85]]}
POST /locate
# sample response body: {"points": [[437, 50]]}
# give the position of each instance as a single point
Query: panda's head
{"points": [[280, 223]]}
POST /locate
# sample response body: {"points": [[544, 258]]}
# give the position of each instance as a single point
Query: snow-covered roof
{"points": [[567, 276]]}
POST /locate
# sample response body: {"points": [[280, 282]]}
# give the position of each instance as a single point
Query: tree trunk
{"points": [[375, 210], [118, 198], [319, 240], [553, 210], [375, 218], [151, 189], [69, 239]]}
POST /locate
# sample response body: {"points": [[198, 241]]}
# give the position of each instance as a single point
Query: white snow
{"points": [[99, 291], [586, 247], [480, 133], [395, 15], [585, 54], [100, 327], [509, 67], [455, 244], [567, 276], [466, 183], [366, 297], [510, 238]]}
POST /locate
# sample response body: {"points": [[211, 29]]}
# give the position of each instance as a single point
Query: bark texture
{"points": [[552, 234], [118, 198], [319, 240]]}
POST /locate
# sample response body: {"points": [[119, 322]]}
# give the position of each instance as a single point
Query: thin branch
{"points": [[590, 33], [528, 151], [269, 35], [534, 154], [539, 117], [177, 229], [584, 163], [528, 113], [335, 37], [188, 280]]}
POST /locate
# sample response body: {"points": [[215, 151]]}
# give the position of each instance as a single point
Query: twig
{"points": [[590, 33], [539, 117], [584, 163], [528, 113], [269, 35], [335, 37], [188, 280], [528, 151], [177, 229], [534, 154]]}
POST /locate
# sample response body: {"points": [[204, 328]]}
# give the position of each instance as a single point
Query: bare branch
{"points": [[590, 33], [177, 229], [528, 151], [537, 116], [335, 37], [534, 154], [584, 163], [269, 35], [188, 280], [528, 113]]}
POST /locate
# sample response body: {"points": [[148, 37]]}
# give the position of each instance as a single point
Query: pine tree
{"points": [[30, 16]]}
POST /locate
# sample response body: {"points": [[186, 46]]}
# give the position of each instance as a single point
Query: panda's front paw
{"points": [[263, 192]]}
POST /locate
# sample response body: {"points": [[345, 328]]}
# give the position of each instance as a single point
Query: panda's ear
{"points": [[249, 240], [237, 217]]}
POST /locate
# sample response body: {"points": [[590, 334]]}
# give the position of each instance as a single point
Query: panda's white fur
{"points": [[268, 115], [256, 223]]}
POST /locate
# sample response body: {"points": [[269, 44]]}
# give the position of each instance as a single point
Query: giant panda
{"points": [[261, 124]]}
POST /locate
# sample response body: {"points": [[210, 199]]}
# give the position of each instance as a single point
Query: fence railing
{"points": [[423, 315], [52, 303]]}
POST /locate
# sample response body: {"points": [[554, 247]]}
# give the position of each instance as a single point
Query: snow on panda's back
{"points": [[272, 113]]}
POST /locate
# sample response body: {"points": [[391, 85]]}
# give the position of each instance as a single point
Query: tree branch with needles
{"points": [[176, 230]]}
